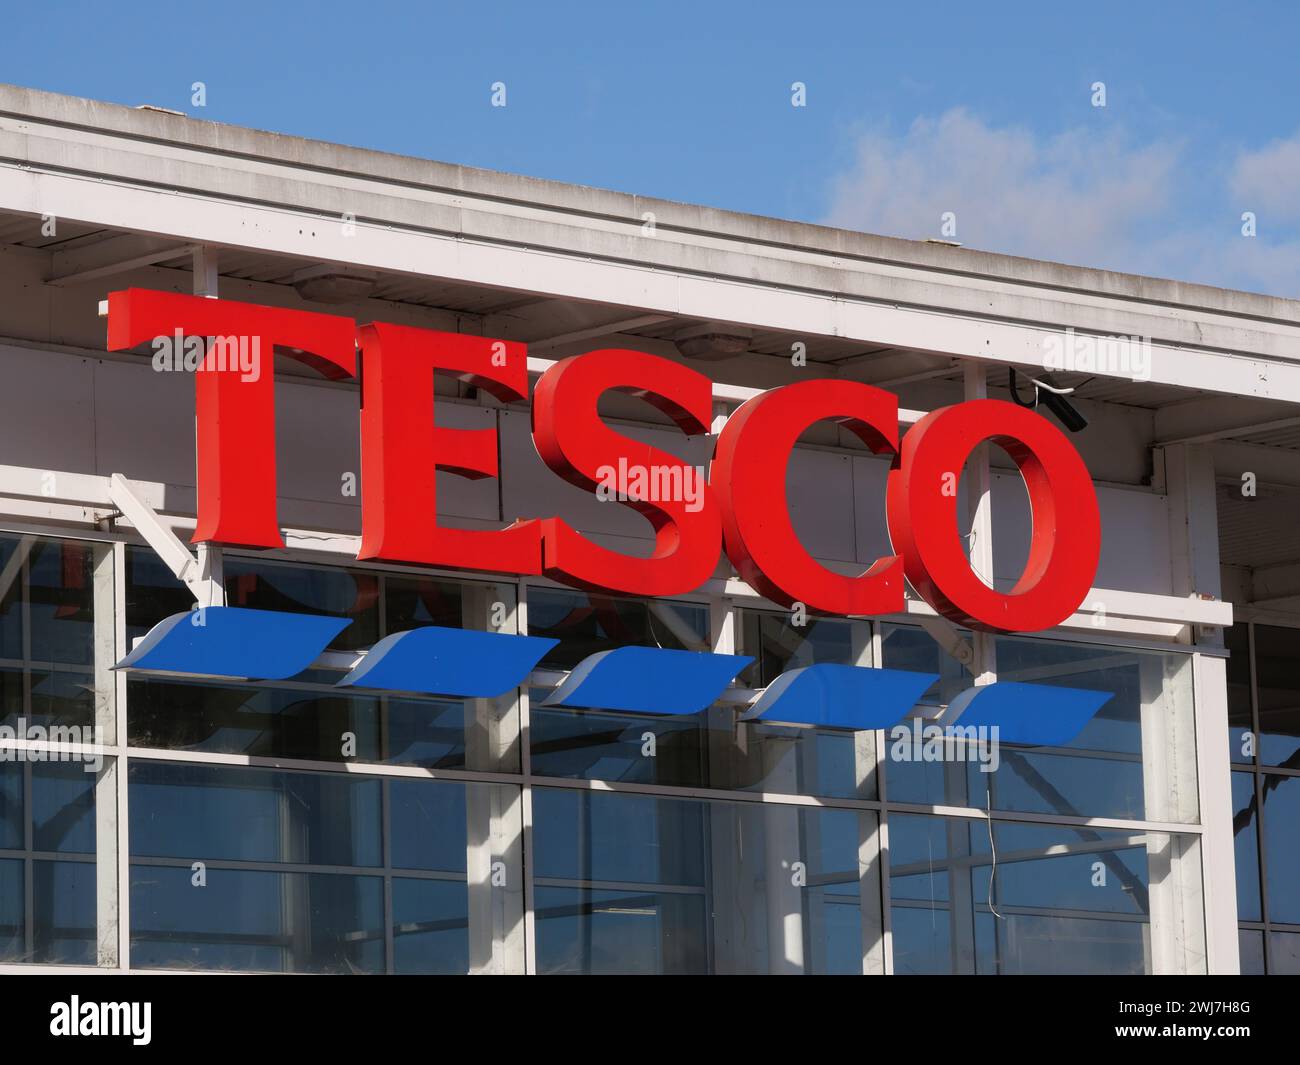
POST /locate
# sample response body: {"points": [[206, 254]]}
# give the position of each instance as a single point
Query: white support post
{"points": [[493, 812], [866, 760], [110, 776], [1194, 552], [211, 562]]}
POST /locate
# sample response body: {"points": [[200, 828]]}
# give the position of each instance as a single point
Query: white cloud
{"points": [[1085, 197], [1268, 181]]}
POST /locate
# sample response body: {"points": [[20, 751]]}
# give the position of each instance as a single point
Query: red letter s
{"points": [[573, 441]]}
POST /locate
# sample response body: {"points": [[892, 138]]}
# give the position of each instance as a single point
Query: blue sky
{"points": [[913, 109]]}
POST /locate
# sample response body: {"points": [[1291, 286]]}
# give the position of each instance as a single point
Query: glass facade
{"points": [[298, 827], [1264, 741]]}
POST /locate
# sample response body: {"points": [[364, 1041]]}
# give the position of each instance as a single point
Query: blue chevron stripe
{"points": [[648, 680], [1040, 715], [442, 661], [232, 641], [835, 696]]}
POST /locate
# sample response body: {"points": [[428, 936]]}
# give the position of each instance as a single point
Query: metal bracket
{"points": [[947, 636], [201, 575]]}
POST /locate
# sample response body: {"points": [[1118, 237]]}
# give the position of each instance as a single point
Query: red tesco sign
{"points": [[742, 510]]}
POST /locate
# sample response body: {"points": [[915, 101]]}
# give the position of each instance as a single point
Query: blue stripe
{"points": [[1039, 715], [441, 661], [834, 696], [649, 680], [231, 641]]}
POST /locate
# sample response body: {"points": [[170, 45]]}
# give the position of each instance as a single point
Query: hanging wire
{"points": [[993, 869]]}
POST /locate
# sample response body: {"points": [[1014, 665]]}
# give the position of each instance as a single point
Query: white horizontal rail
{"points": [[209, 220]]}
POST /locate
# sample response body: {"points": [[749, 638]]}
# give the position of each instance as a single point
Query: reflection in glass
{"points": [[63, 912], [11, 805], [1277, 677], [256, 920], [586, 623], [1237, 640], [634, 883], [63, 808], [61, 904], [1281, 855], [1100, 772], [207, 812], [1059, 900], [777, 646], [12, 934], [430, 926], [712, 750], [1284, 953], [153, 593], [1251, 948], [322, 723], [295, 868], [47, 621], [63, 926], [1246, 845]]}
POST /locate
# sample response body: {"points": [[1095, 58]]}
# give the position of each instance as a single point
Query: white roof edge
{"points": [[331, 160]]}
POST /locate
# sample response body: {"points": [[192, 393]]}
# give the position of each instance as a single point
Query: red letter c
{"points": [[749, 477]]}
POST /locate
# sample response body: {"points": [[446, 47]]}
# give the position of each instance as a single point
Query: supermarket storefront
{"points": [[554, 732]]}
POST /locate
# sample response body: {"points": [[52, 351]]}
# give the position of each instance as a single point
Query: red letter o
{"points": [[923, 526]]}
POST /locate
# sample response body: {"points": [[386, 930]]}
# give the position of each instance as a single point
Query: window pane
{"points": [[1100, 772], [61, 907], [415, 601], [63, 808], [1246, 841], [211, 813], [255, 920], [64, 912], [1252, 952], [632, 883], [430, 926], [712, 750], [1281, 825], [234, 718], [62, 591], [428, 824], [777, 646], [153, 593], [1284, 953], [1237, 640], [62, 698], [1063, 900], [587, 623], [11, 805], [332, 591], [580, 930], [320, 723], [47, 623], [12, 933], [1277, 671]]}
